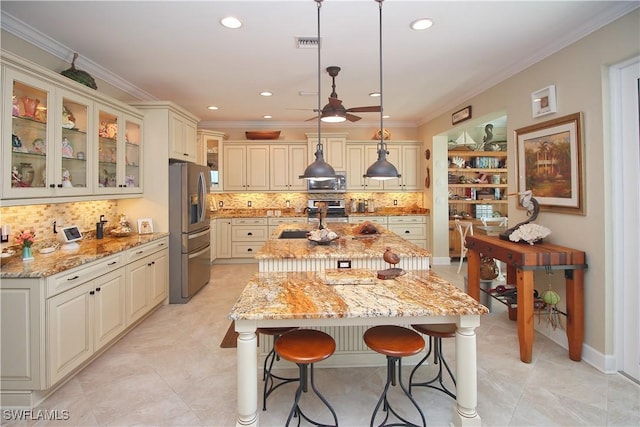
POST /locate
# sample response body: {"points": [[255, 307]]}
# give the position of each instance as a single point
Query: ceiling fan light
{"points": [[334, 118]]}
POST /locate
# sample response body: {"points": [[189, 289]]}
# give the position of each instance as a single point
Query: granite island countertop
{"points": [[305, 295], [45, 265], [291, 213], [348, 245]]}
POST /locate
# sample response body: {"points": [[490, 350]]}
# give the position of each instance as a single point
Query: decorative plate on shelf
{"points": [[263, 134]]}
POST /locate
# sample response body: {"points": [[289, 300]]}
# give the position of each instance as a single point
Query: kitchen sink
{"points": [[293, 234]]}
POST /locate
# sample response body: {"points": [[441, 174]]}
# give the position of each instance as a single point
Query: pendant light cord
{"points": [[382, 143], [318, 146]]}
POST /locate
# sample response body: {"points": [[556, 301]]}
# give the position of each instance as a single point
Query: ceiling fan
{"points": [[334, 111]]}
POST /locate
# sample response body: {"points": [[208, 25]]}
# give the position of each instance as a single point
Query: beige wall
{"points": [[579, 73]]}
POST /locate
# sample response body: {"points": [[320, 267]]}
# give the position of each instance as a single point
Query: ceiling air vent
{"points": [[307, 42]]}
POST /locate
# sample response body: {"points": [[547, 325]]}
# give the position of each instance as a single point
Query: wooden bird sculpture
{"points": [[392, 258]]}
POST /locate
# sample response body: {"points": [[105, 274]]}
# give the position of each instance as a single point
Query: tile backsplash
{"points": [[40, 218]]}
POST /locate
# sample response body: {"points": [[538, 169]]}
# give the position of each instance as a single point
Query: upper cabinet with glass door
{"points": [[119, 152], [61, 139], [49, 147]]}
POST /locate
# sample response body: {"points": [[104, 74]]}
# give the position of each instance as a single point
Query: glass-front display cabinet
{"points": [[119, 152], [48, 132]]}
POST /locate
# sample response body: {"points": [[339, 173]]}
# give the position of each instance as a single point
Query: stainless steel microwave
{"points": [[333, 185]]}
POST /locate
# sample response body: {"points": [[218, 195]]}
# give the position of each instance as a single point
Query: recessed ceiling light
{"points": [[266, 93], [386, 116], [231, 22], [374, 94], [421, 24], [267, 117], [212, 107]]}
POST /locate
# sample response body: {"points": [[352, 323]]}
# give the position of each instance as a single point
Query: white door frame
{"points": [[624, 208]]}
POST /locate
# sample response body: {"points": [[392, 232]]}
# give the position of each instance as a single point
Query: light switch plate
{"points": [[344, 263]]}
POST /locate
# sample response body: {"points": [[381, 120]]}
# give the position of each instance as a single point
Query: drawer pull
{"points": [[73, 278], [249, 234], [112, 263], [139, 252], [407, 232], [250, 250]]}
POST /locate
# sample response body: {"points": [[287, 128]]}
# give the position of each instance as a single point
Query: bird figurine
{"points": [[391, 258]]}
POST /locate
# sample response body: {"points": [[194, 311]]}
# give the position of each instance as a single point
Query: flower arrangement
{"points": [[530, 233], [25, 238]]}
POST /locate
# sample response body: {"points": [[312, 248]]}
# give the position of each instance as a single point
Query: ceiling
{"points": [[178, 51]]}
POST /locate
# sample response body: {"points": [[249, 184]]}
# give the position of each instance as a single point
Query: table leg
{"points": [[574, 280], [473, 274], [465, 413], [524, 284], [247, 374]]}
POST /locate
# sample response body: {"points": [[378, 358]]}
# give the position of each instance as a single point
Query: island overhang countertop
{"points": [[305, 295], [348, 245]]}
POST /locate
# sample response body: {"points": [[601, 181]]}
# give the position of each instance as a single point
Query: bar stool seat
{"points": [[305, 347], [435, 332], [395, 342], [272, 381]]}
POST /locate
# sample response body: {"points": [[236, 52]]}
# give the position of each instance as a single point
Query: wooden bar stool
{"points": [[395, 342], [304, 347], [269, 384], [435, 332]]}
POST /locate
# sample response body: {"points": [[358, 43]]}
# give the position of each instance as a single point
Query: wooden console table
{"points": [[522, 260]]}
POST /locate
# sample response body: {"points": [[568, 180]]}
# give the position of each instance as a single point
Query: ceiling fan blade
{"points": [[312, 118], [370, 109], [353, 117]]}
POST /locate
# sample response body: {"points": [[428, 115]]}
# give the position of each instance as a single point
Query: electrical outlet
{"points": [[249, 204], [220, 204], [395, 202]]}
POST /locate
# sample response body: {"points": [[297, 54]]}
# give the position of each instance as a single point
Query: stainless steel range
{"points": [[336, 211]]}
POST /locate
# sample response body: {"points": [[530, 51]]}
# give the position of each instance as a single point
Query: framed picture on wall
{"points": [[543, 101], [550, 163]]}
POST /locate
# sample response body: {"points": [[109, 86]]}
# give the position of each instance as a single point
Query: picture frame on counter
{"points": [[543, 101], [461, 115], [550, 163], [145, 226]]}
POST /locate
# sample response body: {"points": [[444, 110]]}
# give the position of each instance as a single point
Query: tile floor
{"points": [[171, 371]]}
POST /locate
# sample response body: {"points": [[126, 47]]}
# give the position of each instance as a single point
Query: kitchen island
{"points": [[303, 299]]}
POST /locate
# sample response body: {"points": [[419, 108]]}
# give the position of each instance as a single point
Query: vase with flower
{"points": [[25, 240]]}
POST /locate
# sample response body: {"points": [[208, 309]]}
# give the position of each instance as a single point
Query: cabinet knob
{"points": [[92, 293], [52, 186], [97, 289], [59, 185]]}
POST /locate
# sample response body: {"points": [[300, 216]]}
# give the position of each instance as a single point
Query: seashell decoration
{"points": [[458, 161]]}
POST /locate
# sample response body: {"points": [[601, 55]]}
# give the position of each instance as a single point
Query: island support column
{"points": [[247, 374], [465, 413]]}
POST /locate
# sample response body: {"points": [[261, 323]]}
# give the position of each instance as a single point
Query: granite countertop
{"points": [[45, 265], [291, 213], [348, 245], [305, 295]]}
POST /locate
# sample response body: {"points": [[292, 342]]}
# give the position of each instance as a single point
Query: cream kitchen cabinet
{"points": [[359, 157], [147, 278], [183, 129], [247, 236], [245, 167], [83, 320], [286, 163], [410, 227], [213, 225], [223, 238], [53, 124], [334, 149], [274, 222], [406, 158], [210, 145], [51, 326]]}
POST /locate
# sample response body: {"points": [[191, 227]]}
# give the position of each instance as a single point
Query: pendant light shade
{"points": [[319, 170], [381, 169]]}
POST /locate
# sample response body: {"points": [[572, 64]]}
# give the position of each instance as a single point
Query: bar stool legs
{"points": [[268, 377], [435, 333], [395, 342], [305, 347]]}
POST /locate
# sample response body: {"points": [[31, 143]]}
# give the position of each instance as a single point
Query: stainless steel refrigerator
{"points": [[189, 240]]}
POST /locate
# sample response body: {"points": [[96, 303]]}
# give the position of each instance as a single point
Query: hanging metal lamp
{"points": [[381, 169], [319, 169]]}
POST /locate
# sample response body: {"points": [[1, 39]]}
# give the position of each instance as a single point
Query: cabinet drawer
{"points": [[409, 231], [248, 233], [71, 278], [142, 251], [409, 219], [244, 250], [288, 220], [249, 221], [382, 220]]}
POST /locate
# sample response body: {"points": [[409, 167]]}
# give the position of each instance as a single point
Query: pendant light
{"points": [[319, 170], [381, 169]]}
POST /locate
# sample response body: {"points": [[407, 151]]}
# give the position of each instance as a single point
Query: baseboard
{"points": [[441, 260]]}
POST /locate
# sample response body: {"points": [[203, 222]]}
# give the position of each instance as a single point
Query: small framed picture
{"points": [[461, 115], [543, 101], [145, 226]]}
